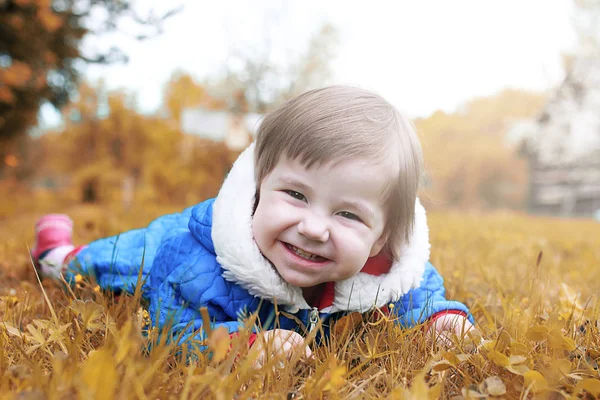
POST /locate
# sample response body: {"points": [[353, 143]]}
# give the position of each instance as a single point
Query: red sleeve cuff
{"points": [[431, 320], [251, 339], [446, 312], [71, 255]]}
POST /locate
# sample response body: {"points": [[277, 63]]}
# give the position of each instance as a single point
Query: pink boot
{"points": [[52, 231], [53, 244]]}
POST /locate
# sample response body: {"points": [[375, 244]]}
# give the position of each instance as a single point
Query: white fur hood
{"points": [[244, 264]]}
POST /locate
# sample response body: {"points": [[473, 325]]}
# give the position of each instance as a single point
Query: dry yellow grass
{"points": [[530, 282]]}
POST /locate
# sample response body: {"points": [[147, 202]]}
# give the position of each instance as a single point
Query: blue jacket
{"points": [[205, 257]]}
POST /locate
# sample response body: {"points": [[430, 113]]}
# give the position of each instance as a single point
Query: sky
{"points": [[423, 56]]}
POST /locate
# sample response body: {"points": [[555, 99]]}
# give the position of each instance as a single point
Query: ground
{"points": [[531, 283]]}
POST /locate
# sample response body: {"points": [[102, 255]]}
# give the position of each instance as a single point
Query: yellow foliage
{"points": [[6, 95], [537, 322], [99, 376], [218, 343], [535, 381], [592, 386], [468, 162], [16, 75], [127, 157], [335, 376], [49, 20]]}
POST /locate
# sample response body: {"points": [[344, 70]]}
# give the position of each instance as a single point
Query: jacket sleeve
{"points": [[116, 261], [187, 277], [427, 301]]}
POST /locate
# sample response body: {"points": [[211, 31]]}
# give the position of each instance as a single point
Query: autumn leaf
{"points": [[535, 380], [555, 339], [124, 344], [99, 376], [441, 365], [49, 20], [518, 348], [472, 392], [57, 334], [569, 298], [451, 357], [498, 358], [494, 386], [516, 359], [89, 312], [568, 343], [219, 343], [335, 375], [537, 333], [10, 329], [347, 323], [17, 75], [6, 95], [504, 341], [591, 386], [518, 369]]}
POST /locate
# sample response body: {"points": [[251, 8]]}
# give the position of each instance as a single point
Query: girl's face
{"points": [[320, 224]]}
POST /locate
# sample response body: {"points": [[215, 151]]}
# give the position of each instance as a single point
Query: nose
{"points": [[314, 228]]}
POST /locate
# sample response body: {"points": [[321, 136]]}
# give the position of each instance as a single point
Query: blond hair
{"points": [[340, 123]]}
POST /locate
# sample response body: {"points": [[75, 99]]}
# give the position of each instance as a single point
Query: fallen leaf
{"points": [[537, 333], [516, 359], [518, 369], [219, 343], [498, 358], [519, 348], [536, 380], [441, 365], [591, 386], [493, 385], [99, 376]]}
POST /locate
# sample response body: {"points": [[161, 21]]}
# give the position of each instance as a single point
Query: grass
{"points": [[530, 282]]}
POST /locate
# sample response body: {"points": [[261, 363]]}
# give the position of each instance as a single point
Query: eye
{"points": [[349, 215], [296, 195]]}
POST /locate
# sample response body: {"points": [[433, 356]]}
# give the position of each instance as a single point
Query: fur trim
{"points": [[234, 243], [244, 264]]}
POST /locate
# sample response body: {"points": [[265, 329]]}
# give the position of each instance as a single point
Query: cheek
{"points": [[267, 220], [354, 243], [353, 253], [260, 231], [255, 225], [258, 225]]}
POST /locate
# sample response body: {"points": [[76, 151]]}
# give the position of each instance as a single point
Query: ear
{"points": [[379, 244]]}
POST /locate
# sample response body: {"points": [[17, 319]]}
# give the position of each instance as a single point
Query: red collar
{"points": [[376, 265]]}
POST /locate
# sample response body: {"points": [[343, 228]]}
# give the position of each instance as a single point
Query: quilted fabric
{"points": [[416, 306], [180, 273]]}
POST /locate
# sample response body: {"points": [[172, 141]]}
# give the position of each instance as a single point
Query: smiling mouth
{"points": [[304, 254]]}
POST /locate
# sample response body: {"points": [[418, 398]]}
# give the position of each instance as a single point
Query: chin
{"points": [[301, 283]]}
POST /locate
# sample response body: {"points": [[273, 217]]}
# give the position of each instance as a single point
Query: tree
{"points": [[100, 150], [467, 159], [107, 152], [313, 68], [587, 23], [182, 91], [40, 54], [254, 82]]}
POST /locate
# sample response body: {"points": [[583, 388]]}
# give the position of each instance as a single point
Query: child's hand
{"points": [[278, 342], [450, 324]]}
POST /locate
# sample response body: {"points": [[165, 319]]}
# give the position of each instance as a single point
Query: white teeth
{"points": [[303, 254]]}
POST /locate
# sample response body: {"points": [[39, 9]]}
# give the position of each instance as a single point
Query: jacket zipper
{"points": [[313, 318]]}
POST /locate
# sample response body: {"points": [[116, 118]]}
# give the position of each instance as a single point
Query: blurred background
{"points": [[130, 104]]}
